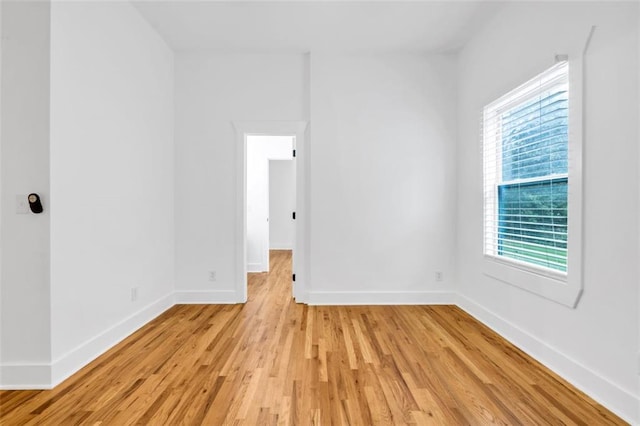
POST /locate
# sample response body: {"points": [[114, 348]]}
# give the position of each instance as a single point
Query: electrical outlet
{"points": [[439, 276], [212, 275], [134, 294]]}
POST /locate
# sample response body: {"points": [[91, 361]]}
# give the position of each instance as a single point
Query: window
{"points": [[526, 175]]}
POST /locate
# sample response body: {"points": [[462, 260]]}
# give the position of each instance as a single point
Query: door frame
{"points": [[300, 263]]}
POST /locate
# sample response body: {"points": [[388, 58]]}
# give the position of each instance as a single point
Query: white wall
{"points": [[213, 91], [382, 169], [638, 310], [112, 224], [25, 348], [382, 178], [261, 149], [282, 203], [594, 345]]}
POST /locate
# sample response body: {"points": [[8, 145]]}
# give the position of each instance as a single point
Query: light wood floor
{"points": [[271, 361]]}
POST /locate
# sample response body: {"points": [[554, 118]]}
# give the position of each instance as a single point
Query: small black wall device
{"points": [[34, 203]]}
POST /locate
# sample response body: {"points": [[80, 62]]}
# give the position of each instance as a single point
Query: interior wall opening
{"points": [[271, 199]]}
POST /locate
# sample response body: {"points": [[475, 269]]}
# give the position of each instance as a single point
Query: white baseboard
{"points": [[620, 401], [222, 297], [380, 298], [281, 247], [25, 376], [255, 267], [47, 376], [82, 355]]}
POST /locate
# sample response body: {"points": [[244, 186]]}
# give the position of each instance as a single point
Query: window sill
{"points": [[556, 287]]}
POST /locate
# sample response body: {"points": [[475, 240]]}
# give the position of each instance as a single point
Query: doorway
{"points": [[245, 131], [268, 201]]}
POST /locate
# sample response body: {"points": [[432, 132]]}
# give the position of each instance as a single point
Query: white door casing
{"points": [[301, 242]]}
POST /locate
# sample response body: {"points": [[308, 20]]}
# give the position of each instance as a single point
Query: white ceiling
{"points": [[303, 26]]}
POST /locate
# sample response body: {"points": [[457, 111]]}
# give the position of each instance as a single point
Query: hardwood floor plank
{"points": [[274, 362]]}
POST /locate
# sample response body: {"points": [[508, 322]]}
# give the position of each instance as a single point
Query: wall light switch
{"points": [[22, 204]]}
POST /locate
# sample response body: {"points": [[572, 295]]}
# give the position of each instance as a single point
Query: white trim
{"points": [[3, 374], [528, 267], [559, 291], [277, 246], [539, 281], [301, 244], [255, 267], [575, 196], [83, 354], [620, 401], [222, 297], [47, 376], [338, 298], [25, 376], [530, 89]]}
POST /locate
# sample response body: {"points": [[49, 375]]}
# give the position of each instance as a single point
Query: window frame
{"points": [[559, 286]]}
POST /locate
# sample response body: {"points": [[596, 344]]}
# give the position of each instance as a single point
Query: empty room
{"points": [[319, 212]]}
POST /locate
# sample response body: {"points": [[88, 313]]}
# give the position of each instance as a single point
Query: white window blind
{"points": [[525, 147]]}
